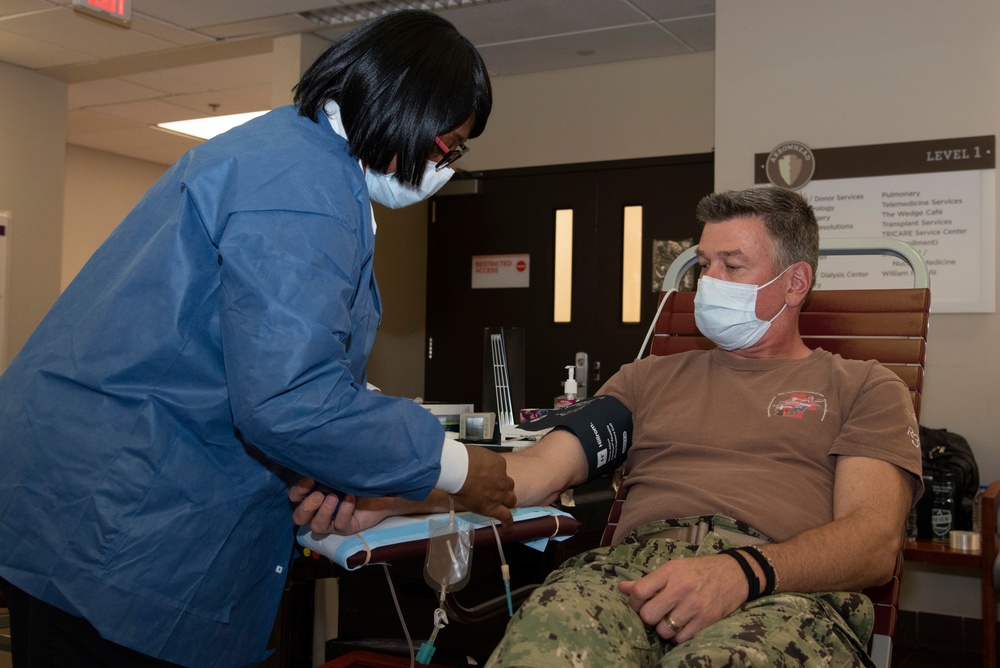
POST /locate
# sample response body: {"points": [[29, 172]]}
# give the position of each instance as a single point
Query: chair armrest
{"points": [[988, 537]]}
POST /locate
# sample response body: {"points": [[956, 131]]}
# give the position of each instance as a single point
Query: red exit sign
{"points": [[118, 12]]}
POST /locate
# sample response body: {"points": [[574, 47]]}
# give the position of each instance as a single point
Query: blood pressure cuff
{"points": [[604, 426]]}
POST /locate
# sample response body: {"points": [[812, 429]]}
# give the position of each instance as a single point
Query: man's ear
{"points": [[800, 283]]}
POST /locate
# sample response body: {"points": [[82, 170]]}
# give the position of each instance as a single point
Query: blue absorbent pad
{"points": [[410, 528]]}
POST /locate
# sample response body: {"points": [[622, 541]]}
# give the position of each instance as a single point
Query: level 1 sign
{"points": [[937, 196]]}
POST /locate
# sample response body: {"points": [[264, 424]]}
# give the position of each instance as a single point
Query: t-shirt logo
{"points": [[797, 405]]}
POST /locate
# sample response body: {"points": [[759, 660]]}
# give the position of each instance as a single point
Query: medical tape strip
{"points": [[368, 550], [604, 426]]}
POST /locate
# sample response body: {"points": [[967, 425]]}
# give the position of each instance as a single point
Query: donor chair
{"points": [[888, 325]]}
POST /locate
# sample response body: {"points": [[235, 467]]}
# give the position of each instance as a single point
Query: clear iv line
{"points": [[652, 325], [399, 611], [504, 569]]}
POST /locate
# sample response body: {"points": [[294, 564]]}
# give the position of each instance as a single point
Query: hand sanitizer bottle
{"points": [[569, 389]]}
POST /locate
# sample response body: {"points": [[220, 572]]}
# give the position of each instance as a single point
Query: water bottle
{"points": [[942, 517], [977, 510]]}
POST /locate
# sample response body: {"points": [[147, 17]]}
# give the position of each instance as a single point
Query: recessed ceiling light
{"points": [[206, 128]]}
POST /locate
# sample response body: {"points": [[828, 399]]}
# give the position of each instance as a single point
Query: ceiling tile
{"points": [[201, 104], [662, 10], [105, 91], [333, 34], [167, 32], [577, 50], [146, 112], [220, 74], [275, 25], [193, 15], [80, 122], [33, 54], [12, 7], [259, 96], [62, 27], [698, 33], [516, 20]]}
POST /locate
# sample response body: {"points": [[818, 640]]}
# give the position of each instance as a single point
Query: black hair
{"points": [[400, 80], [789, 220]]}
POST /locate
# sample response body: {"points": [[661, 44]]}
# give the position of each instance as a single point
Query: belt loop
{"points": [[703, 528]]}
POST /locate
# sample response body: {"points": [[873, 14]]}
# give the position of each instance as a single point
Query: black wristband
{"points": [[752, 583], [770, 578]]}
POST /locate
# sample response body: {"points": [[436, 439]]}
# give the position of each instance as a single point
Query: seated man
{"points": [[771, 510]]}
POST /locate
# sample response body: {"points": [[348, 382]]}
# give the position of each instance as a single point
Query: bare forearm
{"points": [[542, 471], [841, 556], [859, 548]]}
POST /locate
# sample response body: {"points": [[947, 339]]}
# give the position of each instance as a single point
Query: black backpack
{"points": [[947, 456]]}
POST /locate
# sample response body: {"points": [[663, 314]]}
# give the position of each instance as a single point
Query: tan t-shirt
{"points": [[756, 440]]}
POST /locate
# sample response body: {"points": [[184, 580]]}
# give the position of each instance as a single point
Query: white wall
{"points": [[857, 72], [32, 165]]}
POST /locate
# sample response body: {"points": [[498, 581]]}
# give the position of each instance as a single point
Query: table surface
{"points": [[933, 552]]}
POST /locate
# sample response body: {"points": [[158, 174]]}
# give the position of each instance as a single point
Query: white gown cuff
{"points": [[454, 466]]}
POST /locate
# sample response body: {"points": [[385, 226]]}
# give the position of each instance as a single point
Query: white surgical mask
{"points": [[389, 191], [385, 188], [726, 312]]}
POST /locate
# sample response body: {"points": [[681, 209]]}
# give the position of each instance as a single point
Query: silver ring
{"points": [[672, 624]]}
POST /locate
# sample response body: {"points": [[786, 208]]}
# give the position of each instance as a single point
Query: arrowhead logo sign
{"points": [[790, 165]]}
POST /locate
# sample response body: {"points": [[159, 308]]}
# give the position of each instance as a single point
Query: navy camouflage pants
{"points": [[578, 618]]}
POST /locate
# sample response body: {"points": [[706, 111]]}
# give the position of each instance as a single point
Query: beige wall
{"points": [[32, 165], [396, 365], [92, 210], [637, 109], [854, 72]]}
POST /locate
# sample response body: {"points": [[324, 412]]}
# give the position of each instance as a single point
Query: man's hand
{"points": [[683, 596], [488, 490], [327, 513]]}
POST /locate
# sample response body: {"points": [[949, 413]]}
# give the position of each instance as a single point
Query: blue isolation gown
{"points": [[213, 345]]}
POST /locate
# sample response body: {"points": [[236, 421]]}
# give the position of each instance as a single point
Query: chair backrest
{"points": [[887, 325]]}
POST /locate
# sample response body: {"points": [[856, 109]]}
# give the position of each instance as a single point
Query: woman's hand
{"points": [[488, 490], [328, 513]]}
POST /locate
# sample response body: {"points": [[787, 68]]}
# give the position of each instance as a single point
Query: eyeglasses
{"points": [[450, 154]]}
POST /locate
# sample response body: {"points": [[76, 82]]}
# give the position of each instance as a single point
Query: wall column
{"points": [[32, 177]]}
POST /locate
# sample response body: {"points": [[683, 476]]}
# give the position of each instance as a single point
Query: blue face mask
{"points": [[726, 312], [388, 191]]}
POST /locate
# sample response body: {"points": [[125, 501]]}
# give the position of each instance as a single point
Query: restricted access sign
{"points": [[501, 271]]}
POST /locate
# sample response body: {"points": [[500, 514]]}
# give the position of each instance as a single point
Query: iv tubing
{"points": [[504, 568], [399, 611]]}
